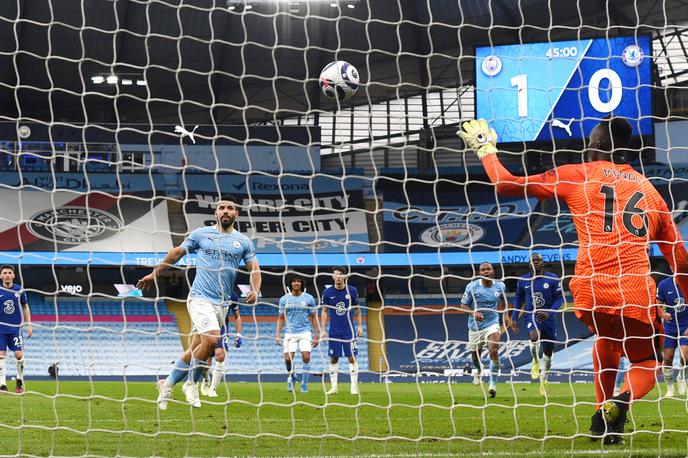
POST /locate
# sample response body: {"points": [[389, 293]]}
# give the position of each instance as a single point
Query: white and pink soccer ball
{"points": [[339, 80]]}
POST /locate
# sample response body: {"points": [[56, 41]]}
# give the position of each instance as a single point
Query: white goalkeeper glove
{"points": [[479, 137]]}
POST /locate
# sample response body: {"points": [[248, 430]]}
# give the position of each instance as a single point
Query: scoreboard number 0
{"points": [[520, 82]]}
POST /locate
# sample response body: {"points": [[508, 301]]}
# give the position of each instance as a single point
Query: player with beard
{"points": [[219, 249]]}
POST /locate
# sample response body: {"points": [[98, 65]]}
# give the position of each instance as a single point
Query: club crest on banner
{"points": [[452, 234], [74, 225]]}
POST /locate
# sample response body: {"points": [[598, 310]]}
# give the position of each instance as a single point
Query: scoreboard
{"points": [[561, 90]]}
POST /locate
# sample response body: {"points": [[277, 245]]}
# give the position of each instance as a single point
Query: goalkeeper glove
{"points": [[479, 137]]}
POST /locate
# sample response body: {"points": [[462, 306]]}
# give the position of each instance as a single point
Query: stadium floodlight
{"points": [[112, 79], [97, 79], [140, 82], [127, 82]]}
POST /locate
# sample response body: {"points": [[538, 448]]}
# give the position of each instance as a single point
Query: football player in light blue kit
{"points": [[297, 310], [12, 301], [339, 301], [541, 294], [220, 250], [675, 328], [210, 383], [483, 300]]}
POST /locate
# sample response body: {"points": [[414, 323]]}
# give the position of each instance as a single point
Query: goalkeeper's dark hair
{"points": [[619, 132]]}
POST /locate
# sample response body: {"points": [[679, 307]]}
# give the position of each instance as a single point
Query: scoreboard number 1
{"points": [[520, 82]]}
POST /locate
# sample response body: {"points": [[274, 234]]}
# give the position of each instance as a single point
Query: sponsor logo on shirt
{"points": [[341, 308], [9, 307]]}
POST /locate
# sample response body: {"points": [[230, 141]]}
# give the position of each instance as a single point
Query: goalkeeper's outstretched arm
{"points": [[478, 136]]}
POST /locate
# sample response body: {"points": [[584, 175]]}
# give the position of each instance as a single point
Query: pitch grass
{"points": [[399, 419]]}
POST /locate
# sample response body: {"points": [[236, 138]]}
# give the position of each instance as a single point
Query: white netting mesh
{"points": [[124, 121]]}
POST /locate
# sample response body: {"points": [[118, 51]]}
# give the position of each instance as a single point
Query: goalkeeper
{"points": [[617, 213]]}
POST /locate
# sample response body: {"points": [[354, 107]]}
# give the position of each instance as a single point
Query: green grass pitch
{"points": [[399, 419]]}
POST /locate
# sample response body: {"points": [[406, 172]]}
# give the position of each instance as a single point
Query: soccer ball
{"points": [[339, 80]]}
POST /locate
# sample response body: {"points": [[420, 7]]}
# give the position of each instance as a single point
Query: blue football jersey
{"points": [[11, 316], [543, 292], [485, 300], [218, 256], [671, 295], [339, 304], [296, 310]]}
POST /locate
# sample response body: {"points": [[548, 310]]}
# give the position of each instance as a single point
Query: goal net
{"points": [[125, 122]]}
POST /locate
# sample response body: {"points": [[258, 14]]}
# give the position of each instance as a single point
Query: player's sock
{"points": [[197, 368], [179, 372], [334, 372], [3, 371], [476, 362], [668, 375], [306, 373], [20, 369], [290, 374], [535, 351], [641, 378], [494, 371], [353, 372], [546, 366], [605, 358], [218, 374]]}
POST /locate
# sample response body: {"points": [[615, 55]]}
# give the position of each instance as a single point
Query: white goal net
{"points": [[124, 122]]}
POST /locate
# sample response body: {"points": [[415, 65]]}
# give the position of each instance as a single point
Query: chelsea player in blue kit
{"points": [[675, 328], [483, 299], [220, 250], [297, 310], [339, 301], [541, 294], [13, 300]]}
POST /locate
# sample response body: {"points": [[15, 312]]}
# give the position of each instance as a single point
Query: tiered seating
{"points": [[260, 353], [100, 337], [137, 337]]}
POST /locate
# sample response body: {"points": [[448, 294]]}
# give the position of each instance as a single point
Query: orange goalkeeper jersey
{"points": [[617, 213]]}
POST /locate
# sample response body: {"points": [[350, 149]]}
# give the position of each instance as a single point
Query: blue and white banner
{"points": [[287, 215], [423, 217], [84, 182]]}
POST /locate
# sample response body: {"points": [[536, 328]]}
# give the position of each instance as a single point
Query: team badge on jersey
{"points": [[236, 244]]}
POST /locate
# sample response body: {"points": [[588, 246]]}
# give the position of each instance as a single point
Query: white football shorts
{"points": [[205, 316], [478, 338], [300, 341]]}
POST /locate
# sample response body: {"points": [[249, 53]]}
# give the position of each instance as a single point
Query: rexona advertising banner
{"points": [[285, 214], [449, 216], [72, 221]]}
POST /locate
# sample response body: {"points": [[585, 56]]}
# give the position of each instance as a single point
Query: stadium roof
{"points": [[238, 65]]}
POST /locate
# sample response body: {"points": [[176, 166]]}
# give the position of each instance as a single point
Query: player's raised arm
{"points": [[478, 136], [173, 256]]}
